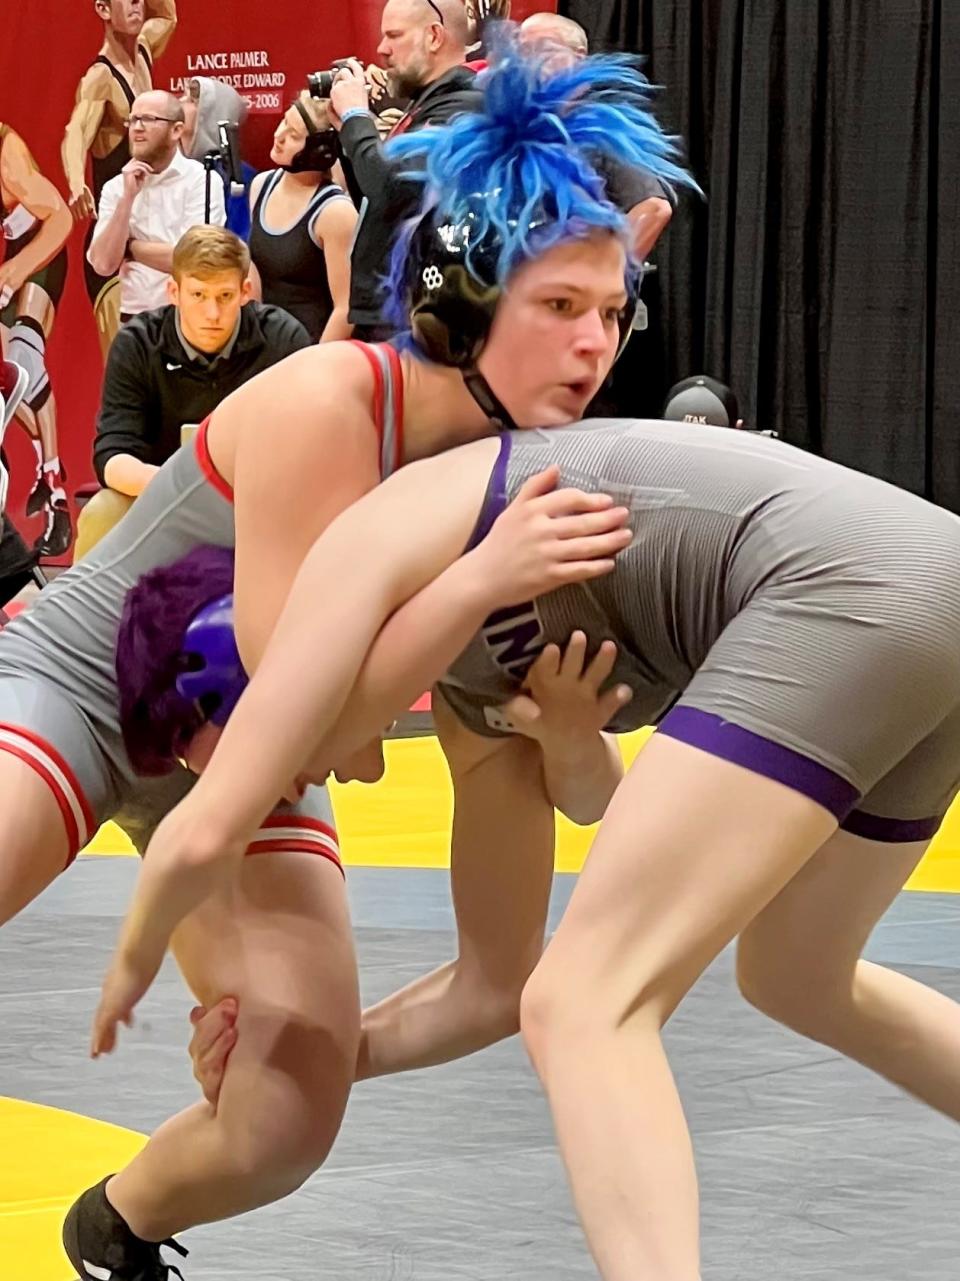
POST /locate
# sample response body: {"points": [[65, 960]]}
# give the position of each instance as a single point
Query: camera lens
{"points": [[320, 83]]}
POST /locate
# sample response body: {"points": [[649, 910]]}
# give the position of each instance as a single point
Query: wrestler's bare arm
{"points": [[404, 540], [26, 186], [93, 95], [306, 447], [159, 27]]}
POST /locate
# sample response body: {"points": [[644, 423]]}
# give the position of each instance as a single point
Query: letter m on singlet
{"points": [[514, 637]]}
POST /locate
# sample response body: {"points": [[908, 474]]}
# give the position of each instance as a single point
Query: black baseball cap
{"points": [[702, 400]]}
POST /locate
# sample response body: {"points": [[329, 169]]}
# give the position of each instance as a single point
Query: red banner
{"points": [[263, 50]]}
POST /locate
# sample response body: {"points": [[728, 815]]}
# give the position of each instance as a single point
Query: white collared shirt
{"points": [[168, 204]]}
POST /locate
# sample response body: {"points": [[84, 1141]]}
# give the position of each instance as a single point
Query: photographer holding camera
{"points": [[423, 48]]}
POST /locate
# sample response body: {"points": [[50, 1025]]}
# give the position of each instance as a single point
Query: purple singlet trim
{"points": [[891, 830], [741, 746], [495, 499]]}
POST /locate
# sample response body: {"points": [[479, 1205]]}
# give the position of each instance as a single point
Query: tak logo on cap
{"points": [[702, 400]]}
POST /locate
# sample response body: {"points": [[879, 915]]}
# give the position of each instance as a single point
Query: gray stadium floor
{"points": [[811, 1168]]}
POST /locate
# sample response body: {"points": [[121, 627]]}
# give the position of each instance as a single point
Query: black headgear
{"points": [[453, 298], [320, 151]]}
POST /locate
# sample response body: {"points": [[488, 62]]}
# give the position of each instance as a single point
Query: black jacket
{"points": [[151, 388], [388, 198]]}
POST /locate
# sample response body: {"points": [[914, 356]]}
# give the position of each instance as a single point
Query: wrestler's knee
{"points": [[282, 1122]]}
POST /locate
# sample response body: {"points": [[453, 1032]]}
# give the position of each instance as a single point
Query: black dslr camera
{"points": [[320, 83]]}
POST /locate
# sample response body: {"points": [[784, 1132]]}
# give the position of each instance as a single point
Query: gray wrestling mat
{"points": [[811, 1168]]}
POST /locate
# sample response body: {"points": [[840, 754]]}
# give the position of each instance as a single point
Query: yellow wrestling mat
{"points": [[47, 1159], [49, 1156], [404, 820]]}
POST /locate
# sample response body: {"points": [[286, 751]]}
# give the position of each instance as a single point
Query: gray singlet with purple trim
{"points": [[774, 609]]}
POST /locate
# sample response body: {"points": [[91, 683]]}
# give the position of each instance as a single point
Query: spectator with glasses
{"points": [[157, 196], [423, 48]]}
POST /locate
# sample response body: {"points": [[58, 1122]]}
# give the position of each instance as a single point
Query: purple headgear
{"points": [[156, 718], [214, 678]]}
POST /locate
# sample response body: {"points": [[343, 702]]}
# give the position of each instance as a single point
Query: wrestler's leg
{"points": [[104, 295], [283, 946], [691, 849], [33, 840], [36, 311], [53, 784], [800, 960], [35, 305]]}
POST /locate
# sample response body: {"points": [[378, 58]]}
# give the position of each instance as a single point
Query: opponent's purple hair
{"points": [[155, 719]]}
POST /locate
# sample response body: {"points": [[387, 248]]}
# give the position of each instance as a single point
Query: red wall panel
{"points": [[47, 46]]}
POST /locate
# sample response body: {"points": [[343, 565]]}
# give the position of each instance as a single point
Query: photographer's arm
{"points": [[359, 136], [363, 149]]}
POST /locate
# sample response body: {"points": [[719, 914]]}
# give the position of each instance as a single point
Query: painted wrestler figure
{"points": [[36, 224], [136, 33]]}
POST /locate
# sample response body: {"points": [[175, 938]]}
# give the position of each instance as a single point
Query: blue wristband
{"points": [[353, 111]]}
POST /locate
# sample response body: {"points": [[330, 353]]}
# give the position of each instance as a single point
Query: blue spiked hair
{"points": [[508, 183]]}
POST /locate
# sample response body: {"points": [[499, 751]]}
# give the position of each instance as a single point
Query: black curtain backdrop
{"points": [[820, 278]]}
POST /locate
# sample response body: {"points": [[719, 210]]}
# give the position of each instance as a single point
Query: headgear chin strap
{"points": [[320, 151], [488, 400]]}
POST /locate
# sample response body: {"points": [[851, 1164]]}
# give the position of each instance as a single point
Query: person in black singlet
{"points": [[136, 34], [303, 225]]}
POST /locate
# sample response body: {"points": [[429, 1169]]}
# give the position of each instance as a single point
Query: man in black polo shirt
{"points": [[423, 48], [169, 368]]}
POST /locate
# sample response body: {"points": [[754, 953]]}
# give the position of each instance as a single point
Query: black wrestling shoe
{"points": [[39, 498], [58, 534], [102, 1248], [42, 494]]}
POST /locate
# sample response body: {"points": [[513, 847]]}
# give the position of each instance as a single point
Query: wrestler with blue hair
{"points": [[783, 801], [518, 291]]}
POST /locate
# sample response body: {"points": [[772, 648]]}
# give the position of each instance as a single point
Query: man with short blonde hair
{"points": [[207, 251], [170, 367]]}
